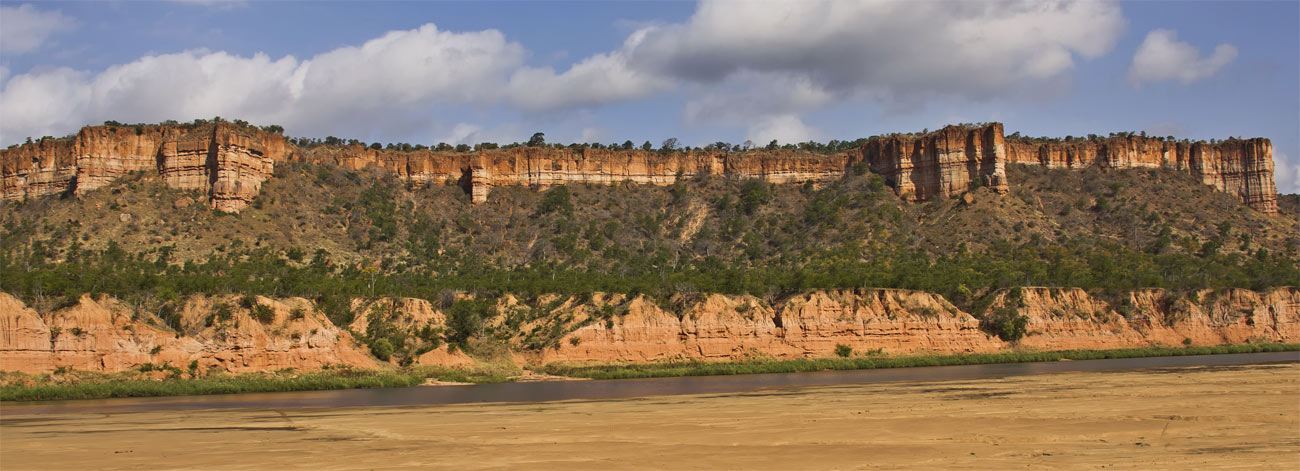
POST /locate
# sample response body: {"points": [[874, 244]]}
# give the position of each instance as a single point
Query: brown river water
{"points": [[623, 388]]}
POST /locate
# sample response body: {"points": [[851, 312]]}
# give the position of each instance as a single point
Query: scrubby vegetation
{"points": [[713, 368], [68, 384], [333, 235]]}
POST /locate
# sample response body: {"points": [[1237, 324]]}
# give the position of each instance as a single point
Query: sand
{"points": [[1176, 418]]}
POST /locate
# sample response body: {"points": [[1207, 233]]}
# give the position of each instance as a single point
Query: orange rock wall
{"points": [[231, 162], [1240, 167], [941, 164], [100, 334], [1072, 319]]}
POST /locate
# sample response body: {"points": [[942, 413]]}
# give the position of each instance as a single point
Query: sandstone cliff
{"points": [[1243, 168], [230, 162], [1072, 319], [101, 334], [943, 163]]}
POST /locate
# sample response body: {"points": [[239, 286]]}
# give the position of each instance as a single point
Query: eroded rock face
{"points": [[44, 167], [943, 163], [812, 325], [1240, 167], [99, 334], [230, 162], [106, 153], [1062, 319]]}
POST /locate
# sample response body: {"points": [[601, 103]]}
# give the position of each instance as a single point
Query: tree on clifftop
{"points": [[538, 140]]}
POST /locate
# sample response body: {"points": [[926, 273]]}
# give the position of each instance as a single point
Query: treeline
{"points": [[538, 140], [964, 277]]}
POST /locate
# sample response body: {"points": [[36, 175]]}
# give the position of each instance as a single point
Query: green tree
{"points": [[538, 140]]}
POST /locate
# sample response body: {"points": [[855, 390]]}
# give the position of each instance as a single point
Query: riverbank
{"points": [[17, 387], [712, 368], [1166, 418]]}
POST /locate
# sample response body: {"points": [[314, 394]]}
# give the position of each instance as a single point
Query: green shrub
{"points": [[1006, 323], [556, 199], [382, 349], [753, 195], [843, 351], [263, 313]]}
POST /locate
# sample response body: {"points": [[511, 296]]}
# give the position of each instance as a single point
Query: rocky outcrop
{"points": [[215, 333], [44, 167], [230, 162], [101, 334], [943, 163], [1062, 319], [1243, 168], [106, 153], [812, 325]]}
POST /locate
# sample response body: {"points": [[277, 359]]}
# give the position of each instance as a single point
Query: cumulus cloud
{"points": [[975, 50], [766, 103], [1163, 57], [786, 128], [599, 79], [1286, 173], [755, 65], [24, 29], [393, 80]]}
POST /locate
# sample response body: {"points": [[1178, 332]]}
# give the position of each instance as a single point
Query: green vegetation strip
{"points": [[109, 386], [18, 387], [710, 368]]}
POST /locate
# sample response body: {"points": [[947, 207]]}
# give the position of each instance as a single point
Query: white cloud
{"points": [[24, 29], [756, 65], [1163, 57], [462, 133], [590, 134], [784, 128], [746, 95], [389, 82], [886, 50], [1286, 173], [599, 79]]}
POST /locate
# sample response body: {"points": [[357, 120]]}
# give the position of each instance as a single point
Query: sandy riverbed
{"points": [[1184, 418]]}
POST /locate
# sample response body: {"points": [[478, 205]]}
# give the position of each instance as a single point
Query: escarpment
{"points": [[102, 334], [1241, 167], [229, 333], [230, 162], [949, 161]]}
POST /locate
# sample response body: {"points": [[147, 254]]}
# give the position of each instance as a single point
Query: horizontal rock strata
{"points": [[101, 334], [1241, 167], [230, 162]]}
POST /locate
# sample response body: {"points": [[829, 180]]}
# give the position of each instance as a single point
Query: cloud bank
{"points": [[24, 29], [1163, 57], [752, 65]]}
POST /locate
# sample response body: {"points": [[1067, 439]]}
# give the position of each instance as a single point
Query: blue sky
{"points": [[425, 72]]}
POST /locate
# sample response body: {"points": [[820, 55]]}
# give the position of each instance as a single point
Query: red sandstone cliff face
{"points": [[1241, 167], [231, 162], [44, 167], [99, 334], [1072, 319], [943, 163], [106, 153]]}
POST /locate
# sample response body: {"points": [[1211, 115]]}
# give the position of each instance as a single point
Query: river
{"points": [[616, 389]]}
